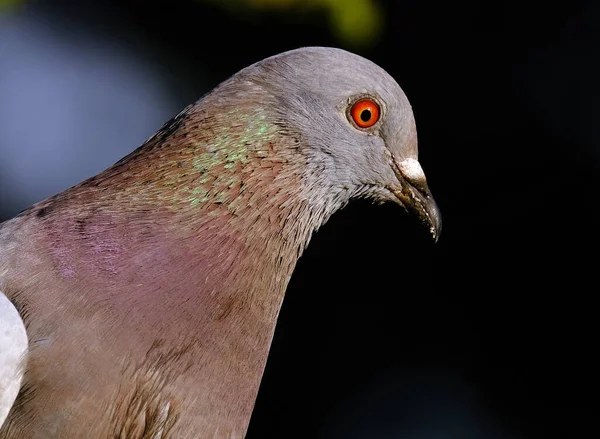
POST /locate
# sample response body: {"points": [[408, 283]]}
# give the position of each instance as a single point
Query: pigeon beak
{"points": [[415, 196]]}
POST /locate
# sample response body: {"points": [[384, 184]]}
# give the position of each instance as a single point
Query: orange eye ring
{"points": [[365, 113]]}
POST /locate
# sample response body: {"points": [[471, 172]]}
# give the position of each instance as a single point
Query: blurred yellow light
{"points": [[355, 22], [5, 4]]}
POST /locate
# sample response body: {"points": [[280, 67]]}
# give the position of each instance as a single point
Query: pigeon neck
{"points": [[218, 214]]}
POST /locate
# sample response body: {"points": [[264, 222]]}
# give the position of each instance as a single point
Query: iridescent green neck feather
{"points": [[217, 176]]}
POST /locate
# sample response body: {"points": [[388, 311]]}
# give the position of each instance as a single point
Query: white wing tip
{"points": [[13, 350]]}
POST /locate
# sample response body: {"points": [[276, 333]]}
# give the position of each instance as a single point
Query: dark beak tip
{"points": [[431, 215], [436, 235], [435, 222], [423, 206]]}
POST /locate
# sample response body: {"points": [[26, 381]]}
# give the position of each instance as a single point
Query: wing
{"points": [[13, 347]]}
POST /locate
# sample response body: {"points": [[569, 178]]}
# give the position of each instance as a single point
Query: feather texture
{"points": [[150, 292]]}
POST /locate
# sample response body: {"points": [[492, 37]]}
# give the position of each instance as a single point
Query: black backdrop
{"points": [[488, 334]]}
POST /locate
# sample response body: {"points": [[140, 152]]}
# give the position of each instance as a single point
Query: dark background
{"points": [[491, 333]]}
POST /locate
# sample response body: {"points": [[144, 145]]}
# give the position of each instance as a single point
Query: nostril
{"points": [[412, 171]]}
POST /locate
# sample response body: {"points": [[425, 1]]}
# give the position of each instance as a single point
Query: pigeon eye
{"points": [[365, 113]]}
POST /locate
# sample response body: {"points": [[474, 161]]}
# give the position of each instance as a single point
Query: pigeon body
{"points": [[150, 292]]}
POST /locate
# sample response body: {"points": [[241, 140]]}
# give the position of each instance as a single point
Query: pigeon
{"points": [[142, 302]]}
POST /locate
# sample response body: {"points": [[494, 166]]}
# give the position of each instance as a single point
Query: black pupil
{"points": [[365, 115]]}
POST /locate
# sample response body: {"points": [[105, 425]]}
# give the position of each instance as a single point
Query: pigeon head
{"points": [[278, 148], [357, 125]]}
